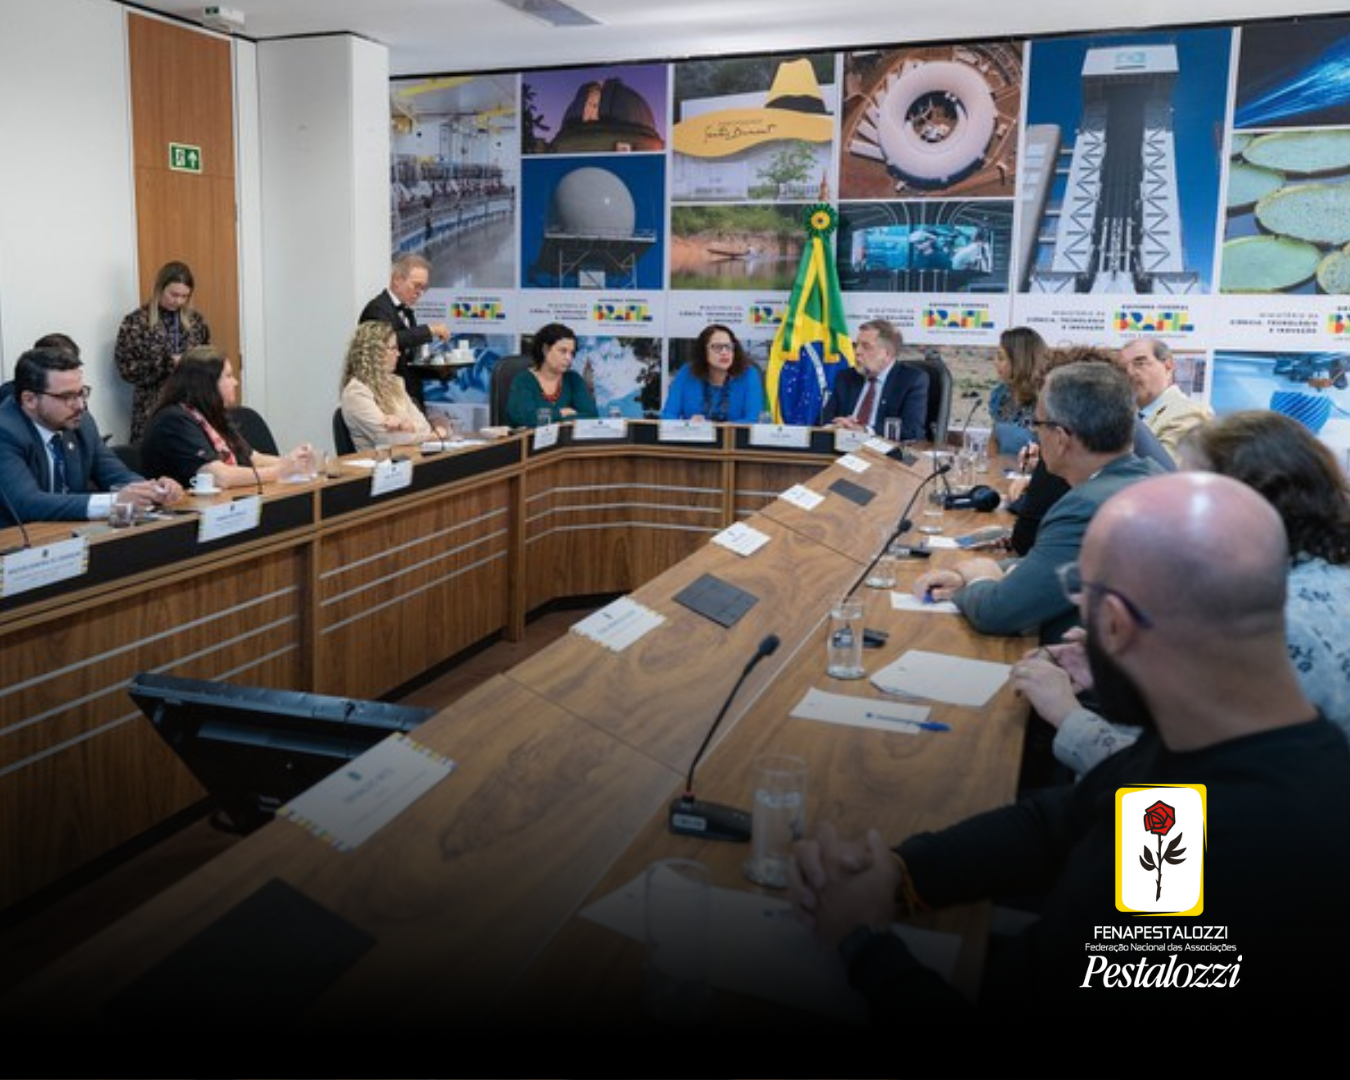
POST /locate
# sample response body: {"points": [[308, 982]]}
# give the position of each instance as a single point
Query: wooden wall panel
{"points": [[182, 91]]}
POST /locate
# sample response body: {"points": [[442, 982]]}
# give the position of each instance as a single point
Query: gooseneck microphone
{"points": [[23, 529], [905, 524], [690, 816]]}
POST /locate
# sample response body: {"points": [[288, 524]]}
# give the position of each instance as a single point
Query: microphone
{"points": [[714, 821], [965, 424], [23, 529]]}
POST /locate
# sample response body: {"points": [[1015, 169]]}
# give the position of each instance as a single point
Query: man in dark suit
{"points": [[54, 465], [879, 387], [408, 280]]}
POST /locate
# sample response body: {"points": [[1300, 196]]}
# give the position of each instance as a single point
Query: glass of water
{"points": [[778, 818]]}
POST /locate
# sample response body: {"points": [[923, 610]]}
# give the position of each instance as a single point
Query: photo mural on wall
{"points": [[1091, 186]]}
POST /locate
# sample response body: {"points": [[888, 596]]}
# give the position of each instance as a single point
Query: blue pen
{"points": [[922, 725]]}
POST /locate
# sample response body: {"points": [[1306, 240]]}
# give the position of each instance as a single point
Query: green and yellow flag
{"points": [[813, 343]]}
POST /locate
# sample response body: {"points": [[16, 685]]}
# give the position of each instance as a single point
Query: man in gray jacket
{"points": [[1085, 425]]}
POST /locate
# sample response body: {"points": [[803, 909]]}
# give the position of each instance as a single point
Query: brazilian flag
{"points": [[813, 344]]}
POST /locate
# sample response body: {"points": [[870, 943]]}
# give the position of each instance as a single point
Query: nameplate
{"points": [[788, 436], [390, 476], [802, 497], [741, 538], [846, 440], [854, 464], [878, 446], [611, 427], [699, 431], [46, 564], [226, 519], [545, 436]]}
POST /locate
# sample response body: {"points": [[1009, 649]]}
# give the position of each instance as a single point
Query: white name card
{"points": [[741, 538], [846, 440], [854, 464], [390, 476], [46, 564], [226, 519], [802, 497], [784, 435], [609, 427], [878, 446], [699, 431], [545, 436]]}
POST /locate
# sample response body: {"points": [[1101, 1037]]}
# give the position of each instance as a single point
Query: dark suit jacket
{"points": [[382, 308], [903, 394], [25, 468]]}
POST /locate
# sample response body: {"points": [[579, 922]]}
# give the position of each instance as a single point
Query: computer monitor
{"points": [[255, 748]]}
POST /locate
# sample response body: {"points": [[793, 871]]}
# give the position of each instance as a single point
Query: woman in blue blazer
{"points": [[718, 383]]}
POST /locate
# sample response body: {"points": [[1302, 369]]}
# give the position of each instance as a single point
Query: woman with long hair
{"points": [[717, 383], [1297, 475], [375, 403], [1012, 403], [191, 432], [154, 337]]}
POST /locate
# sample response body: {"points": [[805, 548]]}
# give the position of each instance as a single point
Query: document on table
{"points": [[802, 497], [758, 948], [351, 804], [741, 538], [861, 712], [618, 624], [904, 601], [854, 463], [939, 677]]}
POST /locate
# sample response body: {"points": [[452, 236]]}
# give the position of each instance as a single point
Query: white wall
{"points": [[324, 148], [67, 224]]}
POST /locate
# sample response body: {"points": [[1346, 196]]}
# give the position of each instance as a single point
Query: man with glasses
{"points": [[880, 387], [1167, 411], [1085, 426], [54, 465], [1182, 587], [409, 278]]}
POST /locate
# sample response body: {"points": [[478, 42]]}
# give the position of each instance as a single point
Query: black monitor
{"points": [[255, 748]]}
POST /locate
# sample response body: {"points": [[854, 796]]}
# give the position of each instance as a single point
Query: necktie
{"points": [[407, 314], [58, 449], [868, 402]]}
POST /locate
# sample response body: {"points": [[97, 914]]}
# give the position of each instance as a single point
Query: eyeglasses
{"points": [[1071, 581], [70, 398], [1038, 424], [721, 346]]}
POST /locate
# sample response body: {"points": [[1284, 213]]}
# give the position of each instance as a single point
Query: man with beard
{"points": [[1181, 584]]}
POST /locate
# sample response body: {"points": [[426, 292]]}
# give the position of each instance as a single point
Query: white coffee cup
{"points": [[203, 483]]}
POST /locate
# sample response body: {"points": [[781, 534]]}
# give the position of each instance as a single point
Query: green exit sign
{"points": [[184, 158]]}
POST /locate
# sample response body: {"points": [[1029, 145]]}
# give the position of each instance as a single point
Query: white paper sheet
{"points": [[802, 497], [759, 949], [618, 624], [862, 712], [939, 677], [741, 538], [854, 463], [903, 601], [349, 805]]}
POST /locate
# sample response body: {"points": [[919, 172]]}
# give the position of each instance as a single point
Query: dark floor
{"points": [[36, 932]]}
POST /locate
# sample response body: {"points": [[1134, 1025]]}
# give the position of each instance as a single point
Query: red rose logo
{"points": [[1159, 819]]}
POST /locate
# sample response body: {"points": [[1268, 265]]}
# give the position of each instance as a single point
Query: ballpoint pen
{"points": [[922, 725]]}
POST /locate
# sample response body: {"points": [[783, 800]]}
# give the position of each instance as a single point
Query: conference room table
{"points": [[465, 909]]}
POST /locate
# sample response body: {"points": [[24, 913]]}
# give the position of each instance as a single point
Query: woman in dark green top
{"points": [[551, 383]]}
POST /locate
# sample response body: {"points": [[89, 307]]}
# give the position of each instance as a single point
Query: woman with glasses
{"points": [[718, 383], [1281, 459], [376, 406], [191, 432]]}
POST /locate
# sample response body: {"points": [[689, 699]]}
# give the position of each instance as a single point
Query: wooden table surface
{"points": [[565, 768]]}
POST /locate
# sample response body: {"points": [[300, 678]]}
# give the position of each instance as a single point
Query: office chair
{"points": [[503, 372], [342, 435], [939, 394], [254, 429]]}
